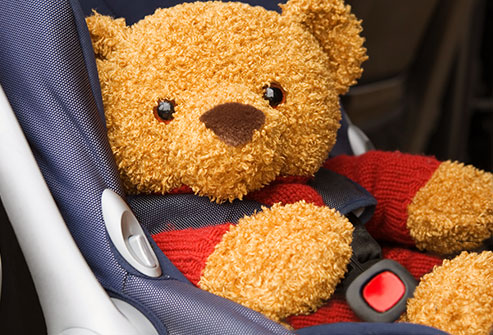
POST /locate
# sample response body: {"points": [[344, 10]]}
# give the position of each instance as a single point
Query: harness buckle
{"points": [[376, 289], [380, 293]]}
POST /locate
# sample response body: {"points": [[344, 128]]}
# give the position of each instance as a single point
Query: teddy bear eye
{"points": [[164, 110], [275, 94]]}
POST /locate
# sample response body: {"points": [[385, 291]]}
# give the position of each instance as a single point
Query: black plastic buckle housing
{"points": [[358, 300], [376, 289]]}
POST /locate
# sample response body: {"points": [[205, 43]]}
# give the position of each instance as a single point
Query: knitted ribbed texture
{"points": [[188, 249], [286, 194], [417, 263], [393, 178], [337, 310]]}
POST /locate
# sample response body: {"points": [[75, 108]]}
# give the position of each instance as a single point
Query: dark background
{"points": [[427, 88]]}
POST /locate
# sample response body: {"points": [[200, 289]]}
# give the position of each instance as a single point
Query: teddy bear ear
{"points": [[107, 34], [338, 32]]}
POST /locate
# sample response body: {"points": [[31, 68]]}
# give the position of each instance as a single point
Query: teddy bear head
{"points": [[225, 97]]}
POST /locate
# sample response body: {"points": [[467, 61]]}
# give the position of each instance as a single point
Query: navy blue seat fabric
{"points": [[362, 328], [48, 72]]}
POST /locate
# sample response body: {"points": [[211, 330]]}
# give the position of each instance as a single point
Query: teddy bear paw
{"points": [[282, 261], [456, 297], [454, 210]]}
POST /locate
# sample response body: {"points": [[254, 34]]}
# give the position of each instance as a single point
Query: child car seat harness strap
{"points": [[180, 211], [375, 289]]}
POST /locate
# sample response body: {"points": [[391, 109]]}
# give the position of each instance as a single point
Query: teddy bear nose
{"points": [[233, 123]]}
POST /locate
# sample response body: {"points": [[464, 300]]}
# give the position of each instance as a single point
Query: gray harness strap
{"points": [[180, 211]]}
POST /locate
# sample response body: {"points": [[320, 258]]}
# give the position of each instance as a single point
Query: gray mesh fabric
{"points": [[343, 194], [180, 211], [189, 310], [43, 73], [48, 73]]}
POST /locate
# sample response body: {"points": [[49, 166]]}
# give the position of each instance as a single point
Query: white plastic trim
{"points": [[78, 331], [70, 295], [143, 325], [359, 211], [127, 235], [359, 142]]}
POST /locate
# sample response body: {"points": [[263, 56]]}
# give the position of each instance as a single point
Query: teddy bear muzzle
{"points": [[233, 123]]}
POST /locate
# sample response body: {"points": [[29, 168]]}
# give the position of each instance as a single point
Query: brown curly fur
{"points": [[456, 297], [454, 210], [201, 55], [173, 54], [282, 261], [342, 42]]}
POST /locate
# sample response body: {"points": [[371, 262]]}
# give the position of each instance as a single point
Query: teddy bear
{"points": [[232, 103]]}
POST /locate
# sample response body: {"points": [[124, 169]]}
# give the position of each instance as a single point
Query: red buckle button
{"points": [[383, 291]]}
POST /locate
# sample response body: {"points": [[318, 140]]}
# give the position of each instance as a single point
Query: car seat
{"points": [[95, 268]]}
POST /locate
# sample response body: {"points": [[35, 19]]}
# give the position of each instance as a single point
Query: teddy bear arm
{"points": [[285, 260], [443, 207]]}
